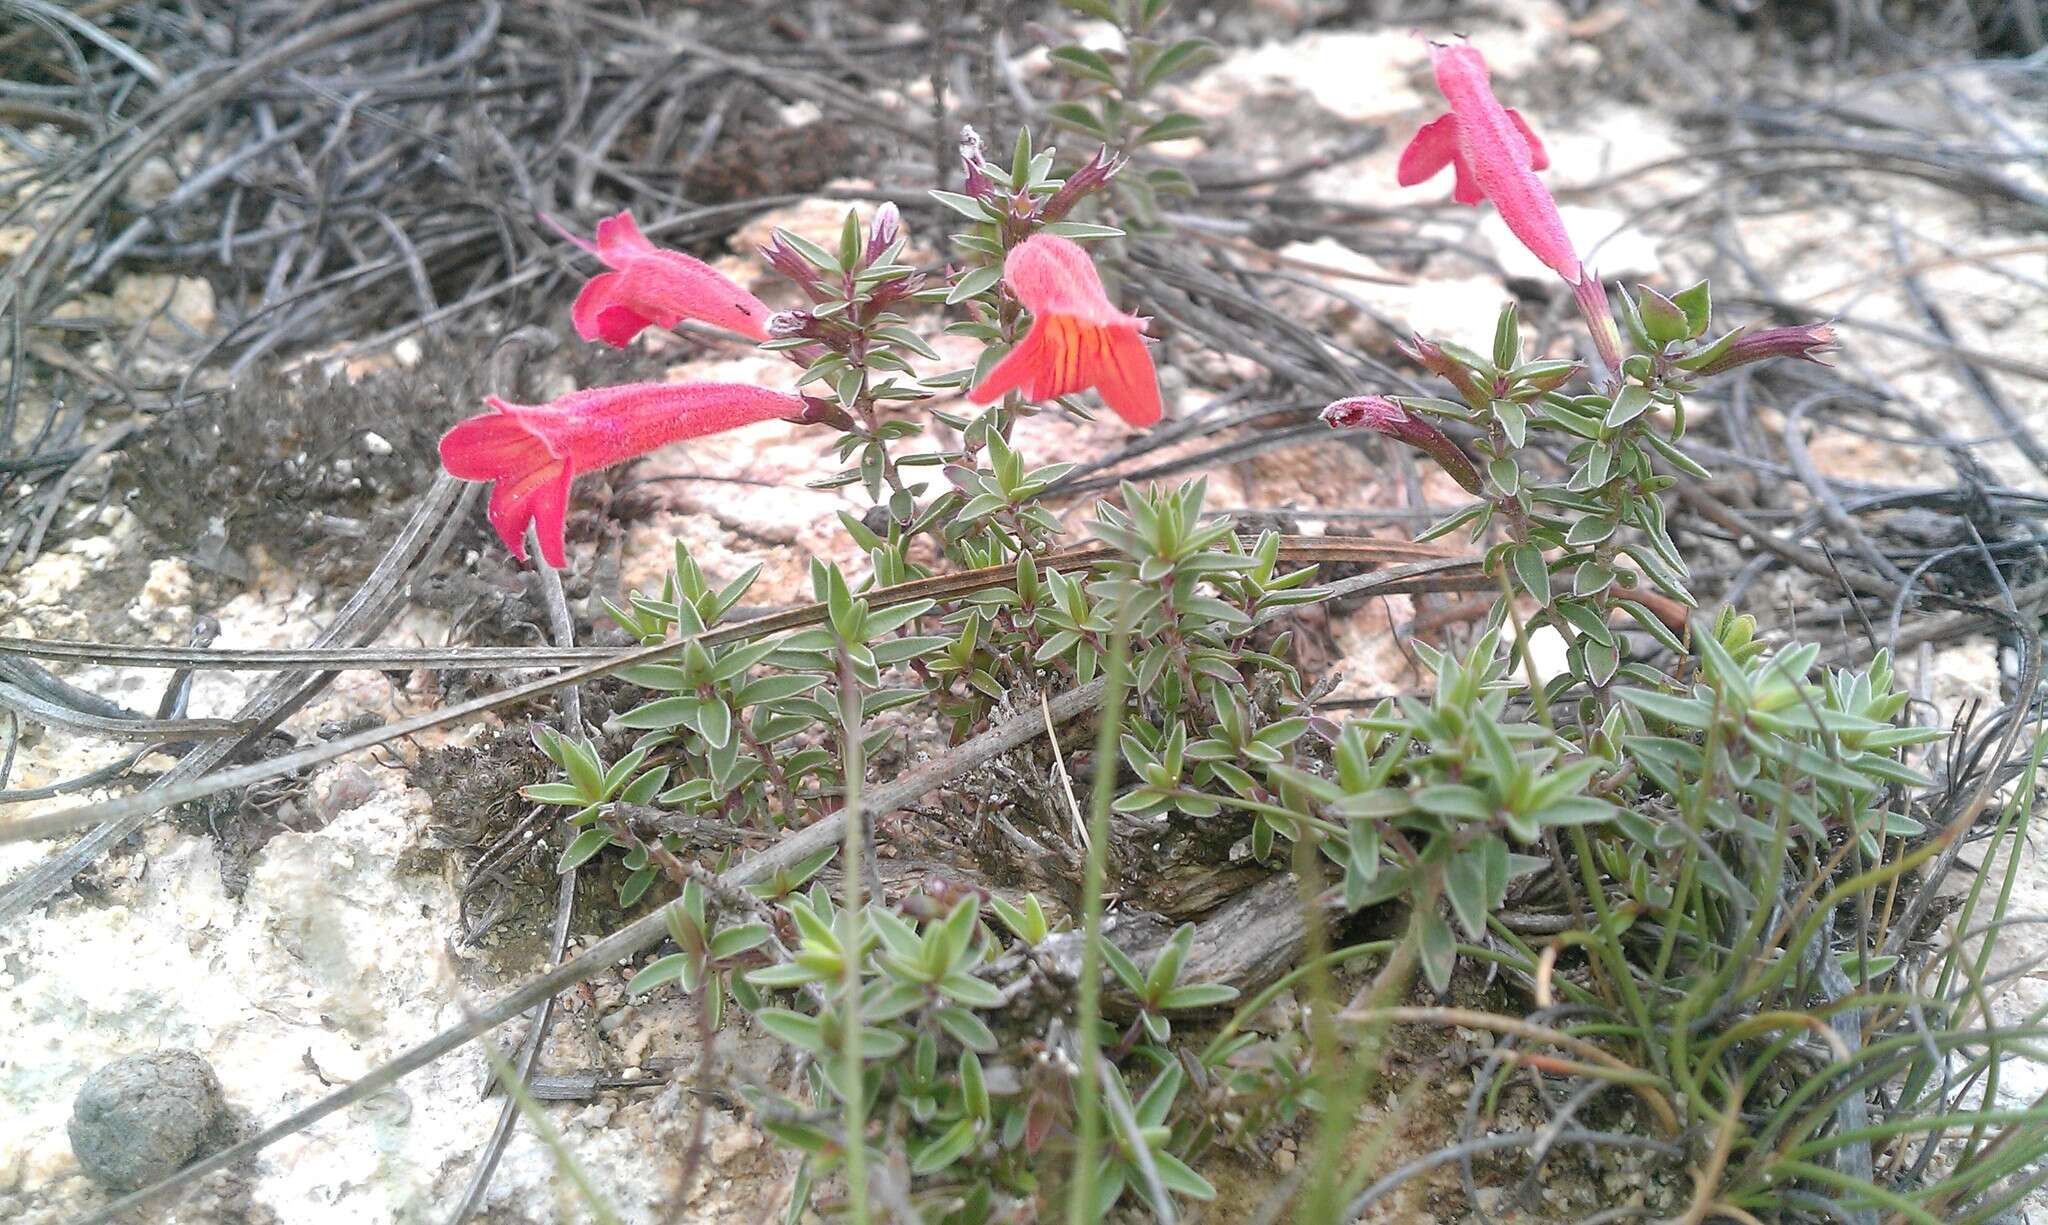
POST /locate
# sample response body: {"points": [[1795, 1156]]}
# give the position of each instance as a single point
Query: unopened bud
{"points": [[1431, 357], [1383, 416], [1805, 341], [1087, 179], [885, 229], [978, 185], [786, 260]]}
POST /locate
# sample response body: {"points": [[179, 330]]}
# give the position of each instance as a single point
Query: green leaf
{"points": [[1175, 1175], [1176, 125], [966, 206], [1514, 422], [1185, 54], [1074, 115], [1082, 231], [1532, 571], [635, 887], [714, 720], [973, 1086], [1455, 800], [661, 714], [554, 793], [581, 763], [795, 1028], [966, 1029], [1633, 402], [1166, 967], [582, 847], [1198, 995], [817, 255], [949, 1147], [1697, 303], [1123, 967], [1083, 62], [781, 977], [1465, 886], [1436, 948], [1575, 811], [1507, 339], [1026, 922], [732, 941], [661, 971], [1662, 318], [973, 283], [768, 689]]}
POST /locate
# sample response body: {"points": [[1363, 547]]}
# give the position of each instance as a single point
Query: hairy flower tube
{"points": [[1384, 416], [1077, 339], [533, 451], [1495, 156], [651, 286]]}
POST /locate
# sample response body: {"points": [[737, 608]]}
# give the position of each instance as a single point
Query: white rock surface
{"points": [[334, 960], [1358, 76]]}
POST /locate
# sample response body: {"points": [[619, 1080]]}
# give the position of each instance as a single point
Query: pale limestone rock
{"points": [[167, 591], [169, 303], [1358, 76]]}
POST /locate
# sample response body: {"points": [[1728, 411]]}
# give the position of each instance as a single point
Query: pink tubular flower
{"points": [[651, 286], [1494, 155], [1384, 416], [1077, 338], [533, 451]]}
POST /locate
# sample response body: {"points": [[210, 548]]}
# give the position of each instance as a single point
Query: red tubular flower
{"points": [[651, 286], [1077, 338], [1494, 155], [1384, 416], [533, 451]]}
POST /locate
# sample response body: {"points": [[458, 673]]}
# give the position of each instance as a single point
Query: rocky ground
{"points": [[299, 960]]}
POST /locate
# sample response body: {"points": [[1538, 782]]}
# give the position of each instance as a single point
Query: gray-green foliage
{"points": [[1724, 823], [1113, 96]]}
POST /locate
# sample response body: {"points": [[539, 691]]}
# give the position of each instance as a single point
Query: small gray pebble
{"points": [[140, 1118]]}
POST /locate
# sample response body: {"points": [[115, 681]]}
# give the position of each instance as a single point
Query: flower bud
{"points": [[1087, 179], [1431, 356], [788, 261], [885, 229], [1805, 341], [979, 184], [1383, 416]]}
